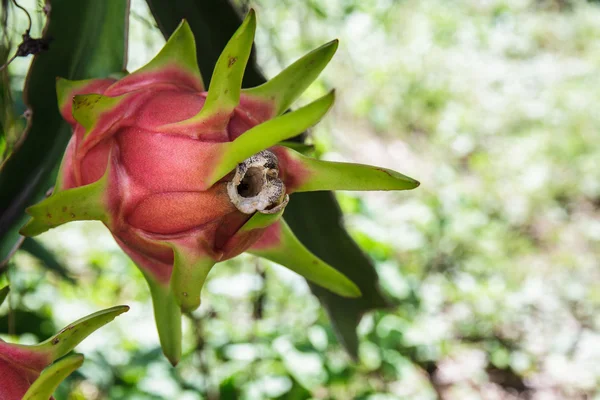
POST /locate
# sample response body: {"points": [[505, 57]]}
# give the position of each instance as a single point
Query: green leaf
{"points": [[296, 392], [315, 217], [300, 147], [4, 293], [45, 385], [292, 254], [226, 82], [228, 389], [260, 220], [88, 108], [83, 203], [179, 50], [190, 270], [167, 314], [270, 133], [65, 89], [88, 41], [286, 87], [327, 175], [71, 335], [21, 321], [213, 24], [10, 125]]}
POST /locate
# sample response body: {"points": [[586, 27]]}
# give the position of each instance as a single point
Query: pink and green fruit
{"points": [[184, 177], [33, 372]]}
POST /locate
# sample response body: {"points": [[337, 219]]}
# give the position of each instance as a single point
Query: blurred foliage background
{"points": [[492, 262]]}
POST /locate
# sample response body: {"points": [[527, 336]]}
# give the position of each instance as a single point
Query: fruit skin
{"points": [[32, 372], [184, 178]]}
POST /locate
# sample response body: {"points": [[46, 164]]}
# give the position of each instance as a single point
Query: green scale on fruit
{"points": [[184, 178]]}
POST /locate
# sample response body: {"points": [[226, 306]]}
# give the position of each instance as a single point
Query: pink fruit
{"points": [[32, 372], [184, 178]]}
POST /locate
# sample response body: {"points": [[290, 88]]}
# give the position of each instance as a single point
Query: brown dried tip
{"points": [[256, 185]]}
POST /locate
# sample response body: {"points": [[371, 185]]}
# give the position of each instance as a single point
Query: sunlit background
{"points": [[493, 262]]}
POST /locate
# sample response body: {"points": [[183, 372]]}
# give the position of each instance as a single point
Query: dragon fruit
{"points": [[184, 178], [33, 372]]}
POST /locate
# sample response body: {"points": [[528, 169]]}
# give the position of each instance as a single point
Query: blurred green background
{"points": [[492, 262]]}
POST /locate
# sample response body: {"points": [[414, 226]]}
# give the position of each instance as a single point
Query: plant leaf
{"points": [[270, 133], [289, 84], [260, 220], [83, 203], [328, 175], [72, 334], [225, 86], [213, 24], [323, 233], [226, 82], [45, 385], [167, 314], [190, 269], [180, 50], [280, 245], [87, 108], [88, 41], [4, 293]]}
